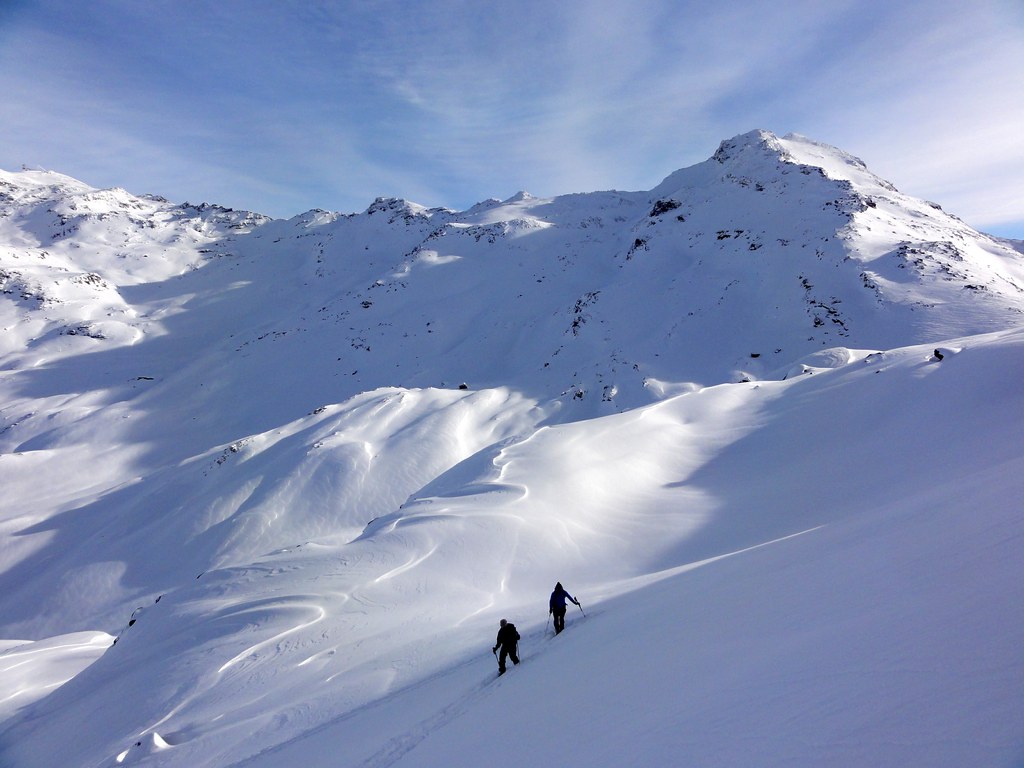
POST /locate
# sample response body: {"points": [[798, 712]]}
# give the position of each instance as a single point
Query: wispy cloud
{"points": [[293, 105]]}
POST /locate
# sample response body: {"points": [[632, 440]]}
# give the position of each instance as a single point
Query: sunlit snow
{"points": [[271, 484]]}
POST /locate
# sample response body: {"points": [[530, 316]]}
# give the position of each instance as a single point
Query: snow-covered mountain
{"points": [[764, 419]]}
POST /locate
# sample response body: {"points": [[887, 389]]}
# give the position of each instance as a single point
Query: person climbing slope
{"points": [[556, 606], [507, 640]]}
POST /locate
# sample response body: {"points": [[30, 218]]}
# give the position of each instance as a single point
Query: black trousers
{"points": [[510, 652], [559, 614]]}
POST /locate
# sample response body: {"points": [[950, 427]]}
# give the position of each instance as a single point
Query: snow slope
{"points": [[763, 420]]}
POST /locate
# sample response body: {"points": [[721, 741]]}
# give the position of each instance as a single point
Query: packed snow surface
{"points": [[270, 485]]}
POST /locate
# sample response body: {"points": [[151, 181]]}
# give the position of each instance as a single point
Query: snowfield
{"points": [[272, 484]]}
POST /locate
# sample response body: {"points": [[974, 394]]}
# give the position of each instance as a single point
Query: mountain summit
{"points": [[271, 484]]}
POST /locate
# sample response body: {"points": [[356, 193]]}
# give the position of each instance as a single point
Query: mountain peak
{"points": [[522, 196], [757, 140], [760, 156]]}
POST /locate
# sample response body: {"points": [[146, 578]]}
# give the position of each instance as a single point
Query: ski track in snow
{"points": [[399, 746]]}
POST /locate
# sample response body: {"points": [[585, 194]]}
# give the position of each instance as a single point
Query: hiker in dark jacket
{"points": [[556, 606], [507, 640]]}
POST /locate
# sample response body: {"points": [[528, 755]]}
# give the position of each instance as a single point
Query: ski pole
{"points": [[581, 609]]}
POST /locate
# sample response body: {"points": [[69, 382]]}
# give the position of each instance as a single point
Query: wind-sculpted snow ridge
{"points": [[300, 468]]}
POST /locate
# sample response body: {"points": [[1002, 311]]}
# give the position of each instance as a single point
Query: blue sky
{"points": [[280, 106]]}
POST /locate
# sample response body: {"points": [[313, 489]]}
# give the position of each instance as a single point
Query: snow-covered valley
{"points": [[764, 420]]}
